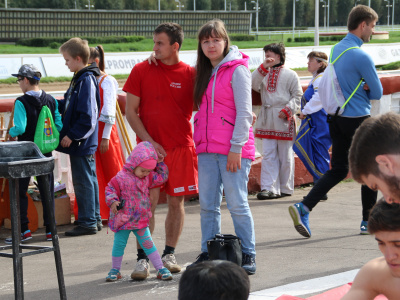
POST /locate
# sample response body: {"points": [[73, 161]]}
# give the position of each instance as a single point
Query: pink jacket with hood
{"points": [[133, 191], [214, 123]]}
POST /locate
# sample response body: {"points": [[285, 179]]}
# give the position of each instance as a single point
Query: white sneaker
{"points": [[141, 271], [169, 261]]}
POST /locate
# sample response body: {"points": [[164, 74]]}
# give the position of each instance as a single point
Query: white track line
{"points": [[305, 287]]}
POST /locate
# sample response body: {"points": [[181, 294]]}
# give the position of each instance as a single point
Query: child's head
{"points": [[29, 72], [28, 78], [145, 168], [76, 53], [97, 55], [142, 160]]}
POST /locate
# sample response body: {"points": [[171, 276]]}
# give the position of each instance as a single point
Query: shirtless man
{"points": [[381, 275]]}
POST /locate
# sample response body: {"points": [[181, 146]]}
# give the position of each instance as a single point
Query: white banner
{"points": [[122, 63]]}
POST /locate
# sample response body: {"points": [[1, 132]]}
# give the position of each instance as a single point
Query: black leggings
{"points": [[341, 131]]}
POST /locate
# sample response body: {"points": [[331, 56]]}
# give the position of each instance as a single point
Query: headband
{"points": [[320, 59]]}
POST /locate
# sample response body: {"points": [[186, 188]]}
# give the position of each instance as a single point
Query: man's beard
{"points": [[393, 183]]}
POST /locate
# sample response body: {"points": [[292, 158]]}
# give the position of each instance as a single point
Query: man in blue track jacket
{"points": [[353, 66]]}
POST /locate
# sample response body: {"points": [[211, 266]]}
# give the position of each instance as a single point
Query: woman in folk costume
{"points": [[281, 92], [109, 156], [313, 140]]}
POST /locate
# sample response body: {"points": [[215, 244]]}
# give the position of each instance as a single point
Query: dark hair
{"points": [[277, 48], [32, 81], [76, 47], [213, 28], [214, 280], [384, 217], [98, 52], [173, 30], [318, 55], [359, 14], [375, 136]]}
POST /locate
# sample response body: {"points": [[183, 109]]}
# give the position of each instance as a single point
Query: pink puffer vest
{"points": [[213, 127]]}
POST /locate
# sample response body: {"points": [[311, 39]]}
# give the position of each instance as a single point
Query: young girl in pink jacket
{"points": [[127, 195]]}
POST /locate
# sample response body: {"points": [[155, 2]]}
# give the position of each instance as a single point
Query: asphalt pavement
{"points": [[283, 256]]}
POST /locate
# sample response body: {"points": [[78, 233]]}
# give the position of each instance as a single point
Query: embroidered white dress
{"points": [[280, 90]]}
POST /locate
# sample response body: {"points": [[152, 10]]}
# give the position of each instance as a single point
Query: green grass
{"points": [[13, 80], [391, 66], [13, 49], [348, 180], [188, 44], [300, 69]]}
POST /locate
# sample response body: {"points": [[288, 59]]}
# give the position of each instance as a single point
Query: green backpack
{"points": [[46, 133]]}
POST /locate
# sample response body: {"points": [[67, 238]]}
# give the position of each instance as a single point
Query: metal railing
{"points": [[321, 29]]}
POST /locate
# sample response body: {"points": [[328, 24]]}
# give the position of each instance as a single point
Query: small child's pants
{"points": [[145, 241]]}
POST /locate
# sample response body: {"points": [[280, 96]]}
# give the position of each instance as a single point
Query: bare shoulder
{"points": [[374, 278], [385, 279]]}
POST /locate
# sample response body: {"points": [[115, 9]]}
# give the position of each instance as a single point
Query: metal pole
{"points": [[294, 16], [5, 4], [159, 6], [225, 5], [393, 15], [194, 5], [388, 12], [257, 20], [316, 33], [328, 15], [16, 238], [245, 6], [325, 17]]}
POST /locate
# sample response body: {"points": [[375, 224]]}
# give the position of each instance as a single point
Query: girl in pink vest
{"points": [[224, 137]]}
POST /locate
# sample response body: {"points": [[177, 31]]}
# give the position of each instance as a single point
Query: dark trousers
{"points": [[23, 199], [341, 131]]}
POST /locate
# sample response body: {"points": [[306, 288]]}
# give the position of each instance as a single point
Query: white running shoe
{"points": [[169, 261], [141, 271]]}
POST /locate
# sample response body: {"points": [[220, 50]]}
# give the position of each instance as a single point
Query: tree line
{"points": [[272, 13]]}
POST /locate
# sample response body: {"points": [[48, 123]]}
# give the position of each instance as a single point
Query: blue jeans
{"points": [[86, 189], [213, 179]]}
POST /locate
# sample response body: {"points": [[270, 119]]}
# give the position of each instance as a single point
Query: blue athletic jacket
{"points": [[80, 111], [350, 68]]}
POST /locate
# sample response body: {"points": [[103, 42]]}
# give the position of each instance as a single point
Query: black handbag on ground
{"points": [[225, 247]]}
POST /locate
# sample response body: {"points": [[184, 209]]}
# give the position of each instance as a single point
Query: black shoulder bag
{"points": [[225, 247]]}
